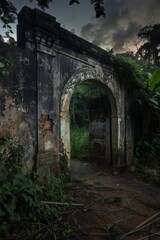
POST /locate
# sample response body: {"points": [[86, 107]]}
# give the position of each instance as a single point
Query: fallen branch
{"points": [[146, 221], [138, 229], [63, 204], [153, 234]]}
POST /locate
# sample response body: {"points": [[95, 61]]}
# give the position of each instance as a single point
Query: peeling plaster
{"points": [[11, 118]]}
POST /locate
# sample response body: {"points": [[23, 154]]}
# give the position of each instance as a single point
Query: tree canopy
{"points": [[150, 50]]}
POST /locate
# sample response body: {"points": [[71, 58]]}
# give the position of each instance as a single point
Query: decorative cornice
{"points": [[38, 27]]}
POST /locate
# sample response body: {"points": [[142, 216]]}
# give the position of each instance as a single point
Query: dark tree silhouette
{"points": [[73, 1], [150, 50], [8, 14]]}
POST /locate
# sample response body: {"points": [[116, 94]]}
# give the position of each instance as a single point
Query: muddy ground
{"points": [[113, 206]]}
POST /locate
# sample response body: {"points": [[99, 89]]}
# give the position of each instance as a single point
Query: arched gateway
{"points": [[108, 83], [51, 63]]}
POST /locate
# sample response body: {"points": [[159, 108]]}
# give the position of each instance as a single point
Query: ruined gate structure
{"points": [[49, 63]]}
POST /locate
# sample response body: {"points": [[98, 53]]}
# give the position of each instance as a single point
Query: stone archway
{"points": [[107, 81]]}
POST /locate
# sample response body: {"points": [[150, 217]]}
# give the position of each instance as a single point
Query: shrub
{"points": [[147, 151]]}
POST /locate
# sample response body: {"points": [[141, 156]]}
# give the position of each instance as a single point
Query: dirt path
{"points": [[113, 205]]}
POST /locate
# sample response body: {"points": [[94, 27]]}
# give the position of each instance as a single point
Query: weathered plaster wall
{"points": [[18, 100], [36, 104], [63, 61]]}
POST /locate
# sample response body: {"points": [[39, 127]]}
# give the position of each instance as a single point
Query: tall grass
{"points": [[79, 142]]}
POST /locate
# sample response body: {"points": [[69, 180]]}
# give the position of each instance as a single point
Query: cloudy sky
{"points": [[118, 30], [124, 19]]}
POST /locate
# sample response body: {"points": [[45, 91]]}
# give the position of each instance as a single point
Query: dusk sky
{"points": [[124, 19]]}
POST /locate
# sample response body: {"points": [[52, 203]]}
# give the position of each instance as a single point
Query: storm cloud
{"points": [[124, 19]]}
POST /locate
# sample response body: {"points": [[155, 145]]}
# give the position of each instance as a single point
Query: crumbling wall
{"points": [[63, 61], [35, 98], [18, 101]]}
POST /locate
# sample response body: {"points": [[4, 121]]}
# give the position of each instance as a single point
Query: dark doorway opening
{"points": [[90, 124], [100, 130]]}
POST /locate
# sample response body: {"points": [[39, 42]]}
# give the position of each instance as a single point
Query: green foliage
{"points": [[113, 232], [11, 154], [21, 205], [147, 151], [154, 80], [145, 91], [5, 66], [154, 100], [154, 90], [64, 173], [131, 73], [143, 88], [79, 142], [79, 105]]}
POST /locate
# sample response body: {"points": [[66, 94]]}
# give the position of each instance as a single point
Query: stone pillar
{"points": [[129, 141], [118, 137], [114, 139], [129, 135], [65, 135]]}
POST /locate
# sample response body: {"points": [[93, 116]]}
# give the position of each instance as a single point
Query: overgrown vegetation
{"points": [[142, 82], [154, 90], [11, 155], [79, 142], [80, 115], [79, 105], [131, 73], [24, 215], [147, 151]]}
